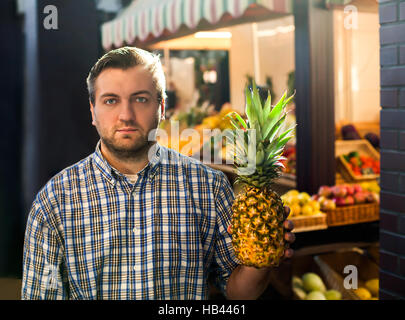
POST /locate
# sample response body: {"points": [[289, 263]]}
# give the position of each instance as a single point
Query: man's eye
{"points": [[141, 99], [110, 101]]}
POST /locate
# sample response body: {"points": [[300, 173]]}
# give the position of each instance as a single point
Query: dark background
{"points": [[45, 117]]}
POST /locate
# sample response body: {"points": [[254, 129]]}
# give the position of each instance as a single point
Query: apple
{"points": [[357, 188], [350, 190], [328, 204], [340, 201], [315, 197], [369, 197], [360, 197], [349, 200], [325, 191], [339, 191]]}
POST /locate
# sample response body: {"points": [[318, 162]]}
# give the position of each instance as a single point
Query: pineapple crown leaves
{"points": [[236, 120], [267, 122]]}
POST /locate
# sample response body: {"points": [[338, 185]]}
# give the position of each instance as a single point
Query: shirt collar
{"points": [[113, 175]]}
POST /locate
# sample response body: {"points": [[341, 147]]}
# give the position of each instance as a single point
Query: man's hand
{"points": [[288, 236]]}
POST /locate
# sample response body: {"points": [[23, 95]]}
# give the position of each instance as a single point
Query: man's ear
{"points": [[93, 122], [162, 109]]}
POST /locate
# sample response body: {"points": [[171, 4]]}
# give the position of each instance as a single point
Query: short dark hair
{"points": [[128, 57]]}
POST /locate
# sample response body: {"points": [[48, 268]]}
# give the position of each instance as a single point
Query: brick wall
{"points": [[392, 223]]}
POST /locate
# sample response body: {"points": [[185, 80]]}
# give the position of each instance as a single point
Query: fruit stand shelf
{"points": [[359, 213], [366, 150], [309, 223]]}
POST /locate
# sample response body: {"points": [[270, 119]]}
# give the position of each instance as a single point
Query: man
{"points": [[133, 220]]}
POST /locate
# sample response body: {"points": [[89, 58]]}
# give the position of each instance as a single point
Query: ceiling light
{"points": [[213, 35], [273, 32]]}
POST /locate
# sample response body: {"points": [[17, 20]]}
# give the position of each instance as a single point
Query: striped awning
{"points": [[331, 3], [143, 20]]}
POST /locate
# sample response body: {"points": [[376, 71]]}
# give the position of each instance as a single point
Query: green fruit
{"points": [[315, 295], [333, 295], [313, 282], [297, 283], [303, 198], [301, 294]]}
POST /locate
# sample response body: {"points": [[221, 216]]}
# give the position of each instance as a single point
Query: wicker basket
{"points": [[353, 214], [309, 223]]}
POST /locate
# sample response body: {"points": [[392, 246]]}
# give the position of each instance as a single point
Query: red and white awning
{"points": [[145, 19], [332, 3]]}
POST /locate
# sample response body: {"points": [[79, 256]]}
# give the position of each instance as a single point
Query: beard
{"points": [[128, 147], [126, 152]]}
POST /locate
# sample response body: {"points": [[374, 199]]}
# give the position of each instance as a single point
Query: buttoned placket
{"points": [[142, 234], [134, 234], [137, 234]]}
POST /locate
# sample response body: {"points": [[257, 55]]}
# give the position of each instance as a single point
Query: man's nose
{"points": [[126, 111]]}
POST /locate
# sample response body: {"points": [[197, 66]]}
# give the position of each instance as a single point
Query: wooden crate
{"points": [[343, 147], [309, 223], [332, 266], [304, 264], [358, 213]]}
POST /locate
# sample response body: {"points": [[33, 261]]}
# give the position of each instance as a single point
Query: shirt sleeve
{"points": [[42, 260], [225, 259]]}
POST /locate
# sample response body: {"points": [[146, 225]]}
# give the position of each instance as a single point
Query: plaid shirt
{"points": [[92, 234]]}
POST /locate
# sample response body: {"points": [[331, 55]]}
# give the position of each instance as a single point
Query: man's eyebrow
{"points": [[141, 92], [108, 94]]}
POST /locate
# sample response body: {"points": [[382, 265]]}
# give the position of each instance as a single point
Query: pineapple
{"points": [[258, 212]]}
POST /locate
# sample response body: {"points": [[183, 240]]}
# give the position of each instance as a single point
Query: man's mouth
{"points": [[127, 130]]}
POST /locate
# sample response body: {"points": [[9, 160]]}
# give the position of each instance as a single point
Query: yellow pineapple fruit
{"points": [[258, 212]]}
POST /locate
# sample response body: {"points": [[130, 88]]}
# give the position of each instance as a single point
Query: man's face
{"points": [[126, 110]]}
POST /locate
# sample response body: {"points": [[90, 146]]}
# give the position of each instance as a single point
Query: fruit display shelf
{"points": [[358, 213], [309, 223], [344, 147], [349, 204], [305, 212]]}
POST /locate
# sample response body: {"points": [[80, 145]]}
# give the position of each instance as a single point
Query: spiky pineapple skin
{"points": [[257, 227]]}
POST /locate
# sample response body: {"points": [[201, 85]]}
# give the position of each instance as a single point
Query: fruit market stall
{"points": [[357, 160], [333, 206], [335, 228], [329, 274], [329, 218]]}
